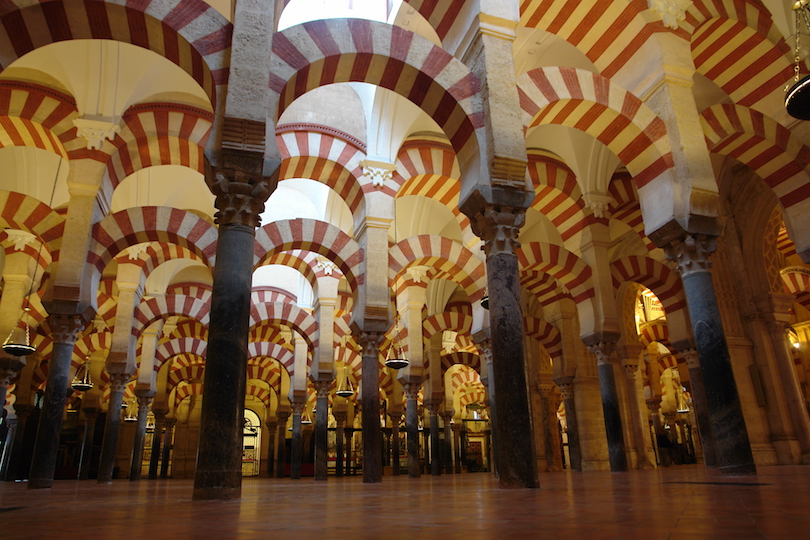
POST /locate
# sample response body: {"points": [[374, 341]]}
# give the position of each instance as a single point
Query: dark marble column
{"points": [[546, 414], [168, 445], [447, 416], [340, 421], [23, 412], [321, 433], [272, 427], [8, 445], [498, 226], [435, 451], [157, 441], [630, 366], [396, 418], [457, 447], [486, 362], [136, 463], [732, 447], [411, 391], [109, 445], [240, 191], [602, 345], [281, 444], [566, 386], [698, 391], [349, 433], [297, 442], [46, 447], [370, 390], [90, 417]]}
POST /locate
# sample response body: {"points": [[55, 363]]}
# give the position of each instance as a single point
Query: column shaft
{"points": [[321, 433], [296, 444], [435, 451], [109, 445], [157, 441], [613, 418], [168, 443], [340, 418], [698, 391], [272, 428], [87, 443], [635, 413], [412, 431], [281, 444], [136, 464], [372, 433]]}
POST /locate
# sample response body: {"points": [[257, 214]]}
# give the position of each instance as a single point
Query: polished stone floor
{"points": [[687, 502]]}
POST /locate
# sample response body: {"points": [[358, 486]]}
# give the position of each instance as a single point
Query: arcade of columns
{"points": [[619, 181]]}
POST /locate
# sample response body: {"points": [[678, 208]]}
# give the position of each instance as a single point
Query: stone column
{"points": [[778, 323], [340, 423], [654, 405], [448, 441], [46, 447], [546, 413], [90, 416], [698, 390], [296, 448], [486, 360], [240, 191], [566, 386], [272, 427], [601, 345], [321, 433], [630, 372], [157, 441], [732, 446], [370, 391], [349, 434], [457, 447], [411, 391], [498, 225], [395, 417], [109, 445], [136, 465], [23, 411], [435, 447], [281, 458], [168, 444]]}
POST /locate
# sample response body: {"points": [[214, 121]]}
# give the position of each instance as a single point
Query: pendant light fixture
{"points": [[797, 99], [485, 300], [306, 419], [18, 342], [345, 388], [85, 382], [130, 417], [395, 357]]}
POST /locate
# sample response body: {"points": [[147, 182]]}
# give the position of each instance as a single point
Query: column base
{"points": [[216, 493], [40, 484]]}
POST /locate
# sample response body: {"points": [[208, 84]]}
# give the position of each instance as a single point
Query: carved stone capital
{"points": [[411, 390], [691, 358], [298, 407], [671, 12], [322, 388], [630, 370], [64, 328], [340, 417], [378, 172], [601, 345], [118, 381], [446, 415], [433, 408], [370, 343], [499, 226], [691, 253], [144, 401]]}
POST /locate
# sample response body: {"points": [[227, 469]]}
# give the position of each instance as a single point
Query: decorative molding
{"points": [[379, 172], [418, 273], [318, 128], [671, 11], [326, 266], [96, 131], [19, 238], [499, 227], [598, 203], [691, 254]]}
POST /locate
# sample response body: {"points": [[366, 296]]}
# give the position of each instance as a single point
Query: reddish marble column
{"points": [[157, 441], [281, 444], [109, 445], [411, 391], [321, 433], [370, 390]]}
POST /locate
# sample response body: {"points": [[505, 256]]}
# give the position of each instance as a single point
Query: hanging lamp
{"points": [[797, 99], [18, 342], [306, 419], [395, 357], [85, 382], [130, 417], [345, 389], [485, 300]]}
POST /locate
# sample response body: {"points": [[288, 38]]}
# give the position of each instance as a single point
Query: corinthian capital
{"points": [[498, 227], [691, 253], [240, 187]]}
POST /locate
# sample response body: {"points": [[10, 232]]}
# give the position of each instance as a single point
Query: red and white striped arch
{"points": [[271, 333], [133, 226], [452, 261], [654, 275], [190, 373], [751, 13], [784, 244], [608, 33], [182, 391], [570, 271], [168, 305], [448, 320], [625, 206], [322, 52], [771, 151], [462, 378], [19, 211], [260, 296], [265, 368], [179, 345], [593, 104], [261, 393], [279, 353], [90, 343], [468, 359], [653, 331], [796, 279], [160, 252], [189, 33], [39, 117], [315, 236], [201, 291], [289, 315], [558, 196], [440, 15], [190, 328], [544, 287], [158, 134], [324, 157], [303, 261], [548, 336]]}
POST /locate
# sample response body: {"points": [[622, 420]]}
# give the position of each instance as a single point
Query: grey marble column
{"points": [[272, 427], [321, 433], [136, 462], [447, 416], [109, 445], [90, 417], [46, 447], [157, 441], [240, 191], [411, 391], [602, 345], [340, 423], [498, 226], [23, 412], [698, 391], [546, 413], [732, 446], [435, 450], [396, 418], [457, 448], [630, 366], [370, 390], [566, 386], [281, 444], [296, 444], [168, 445]]}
